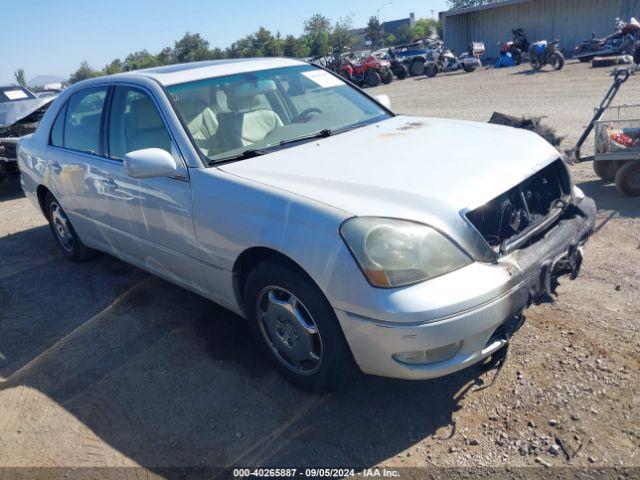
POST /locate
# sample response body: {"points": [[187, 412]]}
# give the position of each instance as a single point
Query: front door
{"points": [[152, 217]]}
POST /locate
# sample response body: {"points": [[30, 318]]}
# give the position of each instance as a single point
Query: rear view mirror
{"points": [[149, 163], [383, 100]]}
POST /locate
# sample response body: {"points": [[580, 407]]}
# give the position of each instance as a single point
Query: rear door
{"points": [[79, 173]]}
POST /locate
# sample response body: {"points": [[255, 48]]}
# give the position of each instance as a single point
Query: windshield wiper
{"points": [[245, 154], [327, 132]]}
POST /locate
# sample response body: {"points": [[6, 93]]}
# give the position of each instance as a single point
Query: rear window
{"points": [[82, 123]]}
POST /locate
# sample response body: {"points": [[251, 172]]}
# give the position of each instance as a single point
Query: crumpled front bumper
{"points": [[530, 276]]}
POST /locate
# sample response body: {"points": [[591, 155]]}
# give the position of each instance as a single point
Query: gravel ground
{"points": [[104, 365]]}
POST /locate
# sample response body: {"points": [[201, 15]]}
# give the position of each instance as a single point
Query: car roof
{"points": [[188, 72]]}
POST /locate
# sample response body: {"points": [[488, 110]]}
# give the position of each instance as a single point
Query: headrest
{"points": [[241, 96], [144, 115]]}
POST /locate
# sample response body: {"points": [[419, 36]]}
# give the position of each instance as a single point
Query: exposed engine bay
{"points": [[17, 119], [519, 216]]}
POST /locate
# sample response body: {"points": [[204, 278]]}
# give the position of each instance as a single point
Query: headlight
{"points": [[395, 253]]}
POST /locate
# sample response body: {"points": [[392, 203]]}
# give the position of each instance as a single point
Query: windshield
{"points": [[14, 94], [237, 116]]}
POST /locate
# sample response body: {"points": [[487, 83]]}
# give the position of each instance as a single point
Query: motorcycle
{"points": [[620, 42], [546, 53], [517, 46], [398, 68], [444, 60], [370, 72]]}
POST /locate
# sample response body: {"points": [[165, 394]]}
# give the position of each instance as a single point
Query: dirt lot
{"points": [[104, 365]]}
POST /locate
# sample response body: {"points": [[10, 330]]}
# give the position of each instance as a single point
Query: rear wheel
{"points": [[296, 327], [387, 77], [431, 70], [373, 79], [64, 233], [401, 72], [536, 64], [628, 179], [416, 68], [557, 61], [586, 59], [468, 69], [606, 169], [517, 56]]}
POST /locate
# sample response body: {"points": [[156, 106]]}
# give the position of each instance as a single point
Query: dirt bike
{"points": [[517, 46], [546, 53]]}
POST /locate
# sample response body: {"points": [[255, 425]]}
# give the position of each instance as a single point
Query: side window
{"points": [[135, 123], [57, 131], [82, 124]]}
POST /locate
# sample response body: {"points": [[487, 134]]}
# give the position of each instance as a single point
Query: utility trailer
{"points": [[617, 140]]}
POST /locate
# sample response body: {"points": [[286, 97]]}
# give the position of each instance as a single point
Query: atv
{"points": [[371, 72]]}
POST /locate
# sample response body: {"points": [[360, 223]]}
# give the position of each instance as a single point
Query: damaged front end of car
{"points": [[540, 227], [17, 119]]}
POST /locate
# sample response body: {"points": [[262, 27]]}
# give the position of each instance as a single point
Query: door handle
{"points": [[109, 183], [55, 167]]}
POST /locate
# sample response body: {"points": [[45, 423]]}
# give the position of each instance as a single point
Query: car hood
{"points": [[404, 164], [12, 112]]}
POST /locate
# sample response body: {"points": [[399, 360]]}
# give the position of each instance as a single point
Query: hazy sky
{"points": [[48, 37]]}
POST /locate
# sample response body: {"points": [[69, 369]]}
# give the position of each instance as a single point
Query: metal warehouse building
{"points": [[568, 20]]}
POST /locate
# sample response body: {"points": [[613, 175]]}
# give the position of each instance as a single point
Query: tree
{"points": [[303, 48], [166, 56], [139, 60], [342, 37], [321, 45], [289, 46], [83, 72], [20, 77], [114, 67], [316, 24], [375, 32], [191, 48]]}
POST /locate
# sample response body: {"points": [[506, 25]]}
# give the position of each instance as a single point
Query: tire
{"points": [[387, 77], [468, 69], [417, 68], [373, 79], [401, 72], [273, 283], [586, 59], [535, 64], [606, 169], [64, 233], [557, 61], [517, 56], [628, 179], [431, 70], [636, 53]]}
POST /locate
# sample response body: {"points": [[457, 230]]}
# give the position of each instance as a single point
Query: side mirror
{"points": [[149, 163], [383, 100]]}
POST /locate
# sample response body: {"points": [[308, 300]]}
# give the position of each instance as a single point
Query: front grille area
{"points": [[514, 218]]}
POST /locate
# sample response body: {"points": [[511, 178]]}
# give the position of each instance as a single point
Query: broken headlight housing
{"points": [[395, 253]]}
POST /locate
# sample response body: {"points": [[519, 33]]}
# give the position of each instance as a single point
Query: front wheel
{"points": [[628, 179], [296, 327], [64, 233], [557, 61], [431, 70]]}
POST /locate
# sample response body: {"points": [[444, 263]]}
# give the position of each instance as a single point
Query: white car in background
{"points": [[341, 231]]}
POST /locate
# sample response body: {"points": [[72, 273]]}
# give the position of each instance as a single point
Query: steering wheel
{"points": [[300, 118]]}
